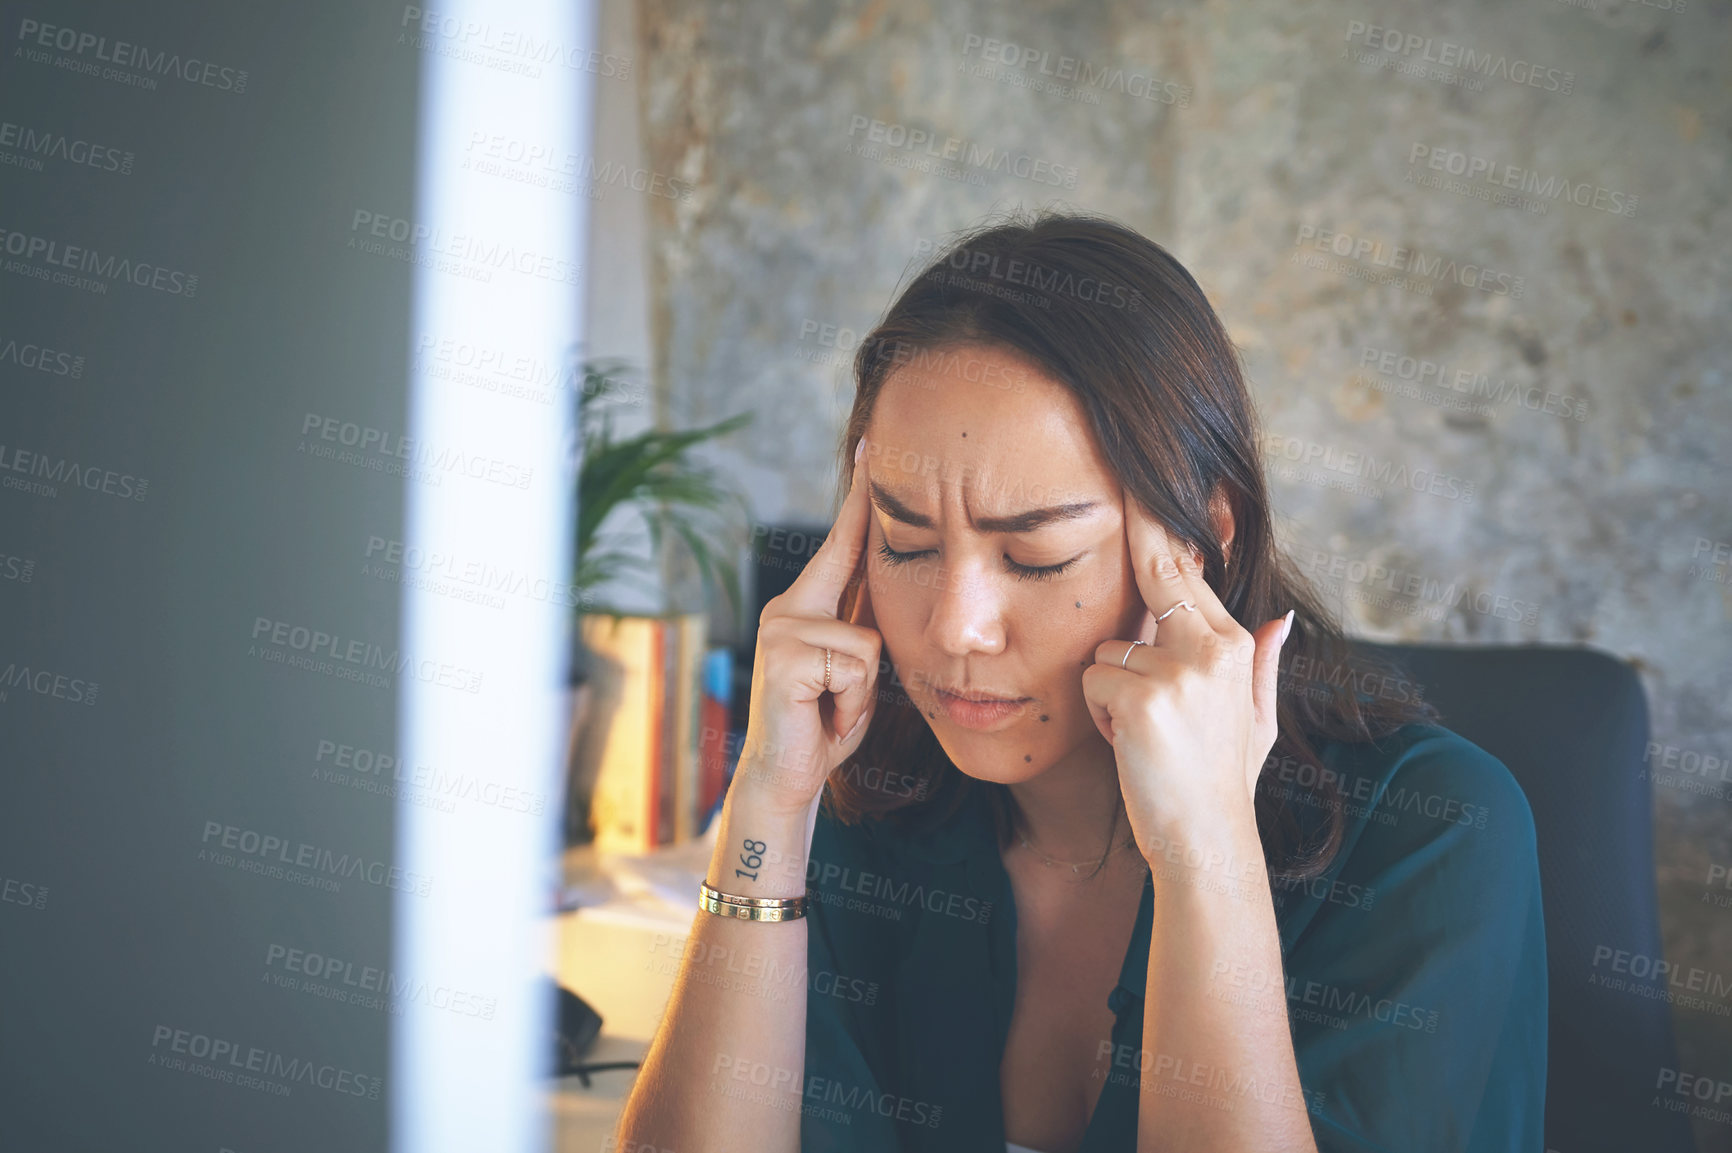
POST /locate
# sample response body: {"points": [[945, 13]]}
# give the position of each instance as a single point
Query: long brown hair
{"points": [[1113, 317]]}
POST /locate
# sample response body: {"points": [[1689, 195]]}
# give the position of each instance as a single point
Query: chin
{"points": [[986, 756], [994, 769]]}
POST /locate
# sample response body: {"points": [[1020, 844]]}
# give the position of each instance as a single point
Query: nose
{"points": [[967, 612]]}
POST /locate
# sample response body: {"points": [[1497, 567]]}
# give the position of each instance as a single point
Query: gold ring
{"points": [[826, 670]]}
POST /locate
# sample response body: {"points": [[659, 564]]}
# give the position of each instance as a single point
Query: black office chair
{"points": [[1571, 725]]}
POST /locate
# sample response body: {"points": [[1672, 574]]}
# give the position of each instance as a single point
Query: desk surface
{"points": [[582, 1119], [619, 952]]}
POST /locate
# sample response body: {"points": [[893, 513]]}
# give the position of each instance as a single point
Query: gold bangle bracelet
{"points": [[704, 890], [751, 912]]}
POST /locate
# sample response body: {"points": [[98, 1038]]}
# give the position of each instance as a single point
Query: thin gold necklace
{"points": [[1075, 866]]}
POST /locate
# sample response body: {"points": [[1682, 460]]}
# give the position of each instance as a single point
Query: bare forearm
{"points": [[1218, 1070], [725, 1069]]}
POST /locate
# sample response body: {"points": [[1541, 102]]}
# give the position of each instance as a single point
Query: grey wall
{"points": [[1589, 492], [122, 915]]}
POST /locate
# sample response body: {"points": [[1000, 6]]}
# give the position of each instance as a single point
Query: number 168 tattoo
{"points": [[752, 857]]}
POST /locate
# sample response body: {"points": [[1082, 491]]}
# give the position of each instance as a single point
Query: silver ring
{"points": [[826, 670], [1128, 651], [1186, 605]]}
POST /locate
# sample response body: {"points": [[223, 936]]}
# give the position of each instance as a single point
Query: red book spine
{"points": [[657, 752], [713, 751]]}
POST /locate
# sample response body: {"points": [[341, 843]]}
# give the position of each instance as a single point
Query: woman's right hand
{"points": [[794, 737]]}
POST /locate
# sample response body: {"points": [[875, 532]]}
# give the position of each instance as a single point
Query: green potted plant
{"points": [[634, 775], [653, 474]]}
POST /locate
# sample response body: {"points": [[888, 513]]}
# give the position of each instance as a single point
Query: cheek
{"points": [[1092, 606], [901, 596], [1078, 616]]}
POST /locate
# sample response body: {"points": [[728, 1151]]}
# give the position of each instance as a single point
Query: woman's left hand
{"points": [[1190, 712]]}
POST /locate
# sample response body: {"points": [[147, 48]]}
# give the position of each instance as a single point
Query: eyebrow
{"points": [[1015, 523]]}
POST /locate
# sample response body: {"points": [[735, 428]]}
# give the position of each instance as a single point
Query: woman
{"points": [[1132, 852]]}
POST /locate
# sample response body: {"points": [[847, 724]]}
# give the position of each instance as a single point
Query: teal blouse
{"points": [[1415, 971]]}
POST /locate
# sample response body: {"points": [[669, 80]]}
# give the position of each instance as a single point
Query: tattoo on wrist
{"points": [[751, 856]]}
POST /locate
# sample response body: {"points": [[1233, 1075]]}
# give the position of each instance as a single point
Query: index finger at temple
{"points": [[819, 587], [1159, 578]]}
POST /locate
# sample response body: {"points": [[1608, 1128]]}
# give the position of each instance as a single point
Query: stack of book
{"points": [[654, 750]]}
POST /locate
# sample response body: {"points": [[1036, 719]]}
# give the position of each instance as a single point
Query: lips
{"points": [[982, 696], [980, 710]]}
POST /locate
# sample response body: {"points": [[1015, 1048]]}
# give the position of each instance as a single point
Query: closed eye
{"points": [[1020, 571]]}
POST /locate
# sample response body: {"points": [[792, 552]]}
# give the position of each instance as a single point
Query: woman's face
{"points": [[986, 478]]}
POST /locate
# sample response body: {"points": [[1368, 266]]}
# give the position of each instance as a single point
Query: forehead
{"points": [[1026, 432]]}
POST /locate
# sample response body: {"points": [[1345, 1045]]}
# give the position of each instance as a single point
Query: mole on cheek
{"points": [[1044, 718], [1026, 757], [1079, 604]]}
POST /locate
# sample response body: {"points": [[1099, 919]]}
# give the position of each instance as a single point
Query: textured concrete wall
{"points": [[1581, 490]]}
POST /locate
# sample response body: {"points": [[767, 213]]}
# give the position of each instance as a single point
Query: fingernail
{"points": [[859, 447], [855, 727], [1286, 627]]}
